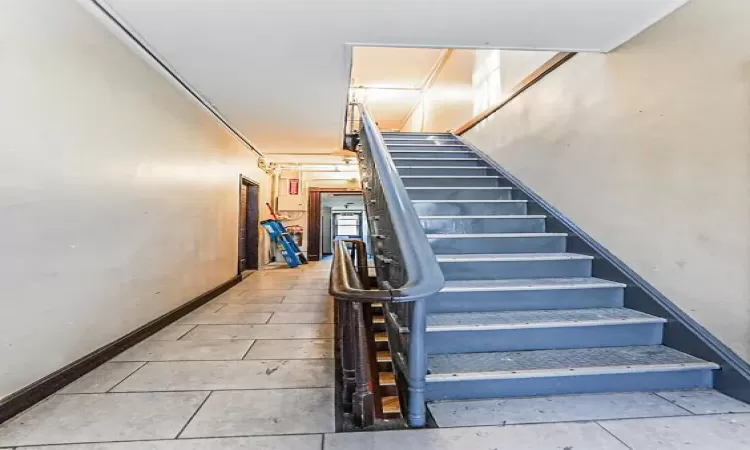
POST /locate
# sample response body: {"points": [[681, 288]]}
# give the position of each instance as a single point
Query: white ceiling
{"points": [[278, 70]]}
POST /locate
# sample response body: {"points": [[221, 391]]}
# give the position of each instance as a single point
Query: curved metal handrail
{"points": [[345, 282], [424, 276]]}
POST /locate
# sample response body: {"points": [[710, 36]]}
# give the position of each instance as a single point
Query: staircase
{"points": [[519, 315]]}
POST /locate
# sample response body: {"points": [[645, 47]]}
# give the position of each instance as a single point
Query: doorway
{"points": [[320, 208], [248, 225]]}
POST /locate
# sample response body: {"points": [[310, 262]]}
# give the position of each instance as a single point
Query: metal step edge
{"points": [[429, 143], [533, 325], [499, 216], [570, 372], [443, 167], [511, 257], [442, 159], [494, 235], [425, 151], [469, 201], [471, 177], [484, 188], [604, 284]]}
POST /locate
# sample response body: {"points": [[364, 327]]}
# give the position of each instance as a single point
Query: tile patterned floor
{"points": [[253, 370]]}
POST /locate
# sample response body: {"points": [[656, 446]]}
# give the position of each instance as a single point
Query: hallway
{"points": [[257, 360]]}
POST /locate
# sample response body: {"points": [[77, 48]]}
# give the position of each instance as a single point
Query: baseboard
{"points": [[681, 332], [41, 389]]}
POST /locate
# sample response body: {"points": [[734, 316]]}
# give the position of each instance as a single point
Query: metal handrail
{"points": [[424, 276], [408, 271]]}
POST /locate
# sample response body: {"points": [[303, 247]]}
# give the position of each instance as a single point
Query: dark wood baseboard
{"points": [[41, 389]]}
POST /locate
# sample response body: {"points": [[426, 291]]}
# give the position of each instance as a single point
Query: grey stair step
{"points": [[421, 140], [514, 265], [497, 243], [414, 134], [454, 181], [540, 329], [459, 193], [568, 371], [453, 162], [428, 146], [433, 154], [446, 170], [469, 207], [526, 294], [483, 224], [565, 408]]}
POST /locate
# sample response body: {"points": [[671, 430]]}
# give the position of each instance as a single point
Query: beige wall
{"points": [[118, 195], [470, 82], [648, 150]]}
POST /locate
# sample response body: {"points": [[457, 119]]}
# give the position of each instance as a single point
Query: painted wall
{"points": [[470, 82], [648, 150], [118, 195]]}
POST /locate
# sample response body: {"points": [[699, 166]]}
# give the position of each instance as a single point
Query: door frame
{"points": [[313, 217], [255, 264]]}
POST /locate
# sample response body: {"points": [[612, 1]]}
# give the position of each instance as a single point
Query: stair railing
{"points": [[407, 271]]}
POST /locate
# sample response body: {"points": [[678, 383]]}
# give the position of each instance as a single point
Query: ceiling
{"points": [[278, 70]]}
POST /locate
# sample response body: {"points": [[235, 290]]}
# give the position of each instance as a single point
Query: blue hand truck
{"points": [[284, 241]]}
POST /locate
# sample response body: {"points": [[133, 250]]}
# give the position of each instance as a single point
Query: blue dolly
{"points": [[285, 242]]}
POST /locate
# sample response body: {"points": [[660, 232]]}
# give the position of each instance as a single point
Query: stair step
{"points": [[391, 406], [469, 207], [378, 319], [497, 243], [540, 329], [387, 379], [483, 224], [526, 294], [454, 181], [569, 371], [384, 357], [453, 162], [445, 170], [514, 265], [433, 154], [381, 336], [460, 193]]}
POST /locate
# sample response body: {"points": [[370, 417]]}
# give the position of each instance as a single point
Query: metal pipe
{"points": [[417, 364]]}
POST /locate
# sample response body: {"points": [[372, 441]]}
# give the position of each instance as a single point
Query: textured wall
{"points": [[118, 195], [648, 150]]}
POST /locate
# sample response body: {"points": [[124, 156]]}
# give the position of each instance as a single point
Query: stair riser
{"points": [[444, 154], [454, 171], [465, 209], [504, 270], [543, 338], [562, 385], [459, 194], [425, 161], [486, 301], [455, 182], [427, 146], [414, 134], [421, 140], [472, 226], [461, 246]]}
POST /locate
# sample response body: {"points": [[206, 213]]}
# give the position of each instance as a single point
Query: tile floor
{"points": [[253, 370]]}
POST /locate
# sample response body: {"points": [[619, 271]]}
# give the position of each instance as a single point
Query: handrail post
{"points": [[417, 364]]}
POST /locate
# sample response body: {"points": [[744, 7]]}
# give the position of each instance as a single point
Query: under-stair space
{"points": [[520, 316]]}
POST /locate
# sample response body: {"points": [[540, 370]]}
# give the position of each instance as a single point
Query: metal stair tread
{"points": [[528, 284], [452, 176], [444, 167], [469, 201], [484, 188], [534, 363], [492, 235], [474, 321], [488, 257], [499, 216]]}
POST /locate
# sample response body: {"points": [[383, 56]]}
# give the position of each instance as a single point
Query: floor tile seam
{"points": [[110, 390], [191, 438], [330, 386], [613, 435], [231, 360], [186, 333], [192, 416], [667, 416], [674, 403]]}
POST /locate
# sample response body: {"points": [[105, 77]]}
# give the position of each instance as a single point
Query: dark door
{"points": [[248, 226]]}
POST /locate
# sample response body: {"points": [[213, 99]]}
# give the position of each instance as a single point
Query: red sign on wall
{"points": [[294, 186]]}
